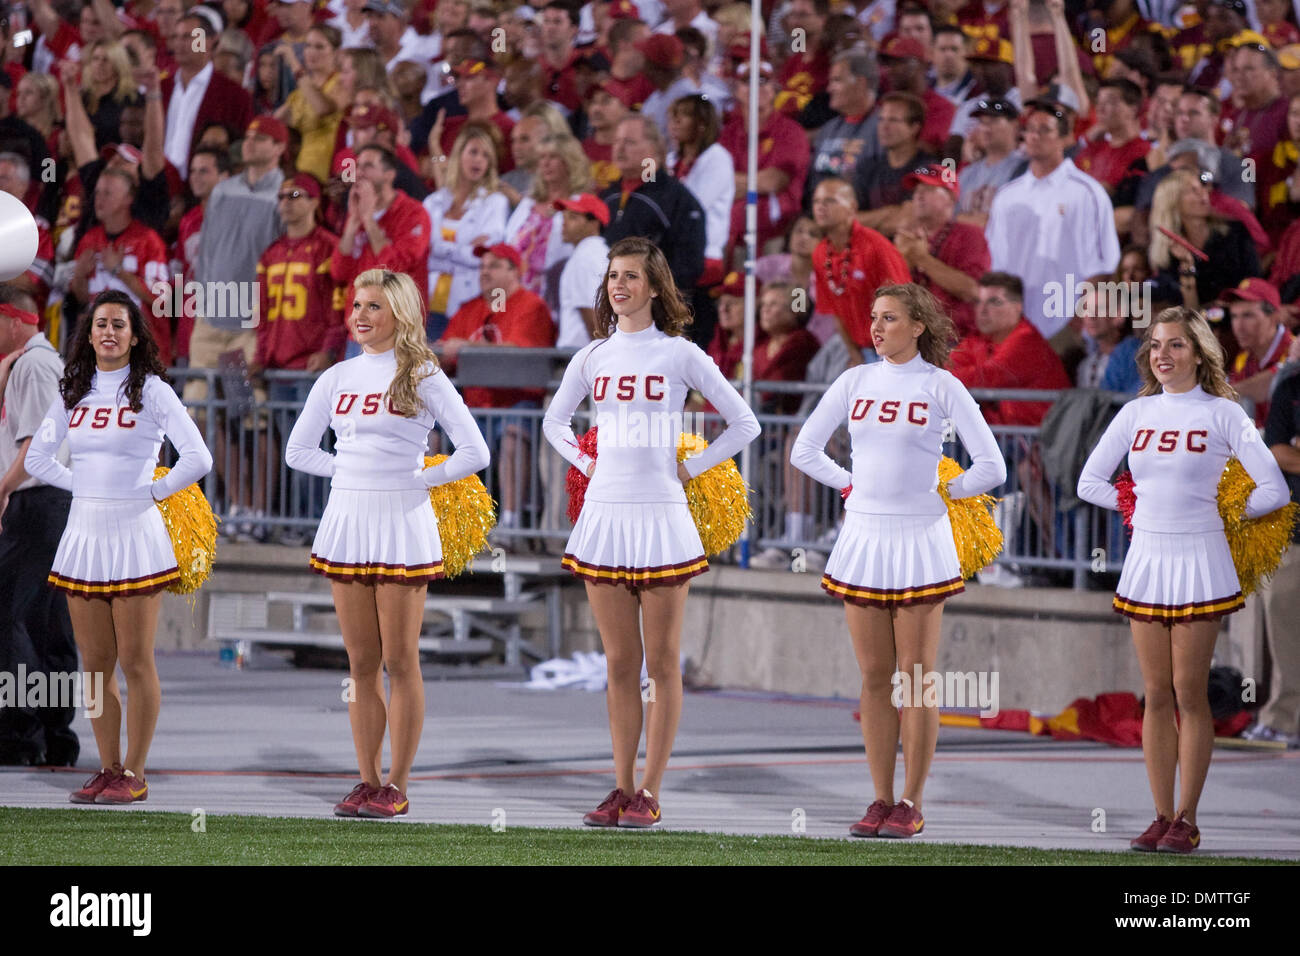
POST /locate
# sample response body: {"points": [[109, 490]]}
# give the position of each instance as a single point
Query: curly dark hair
{"points": [[940, 334], [144, 360], [671, 313]]}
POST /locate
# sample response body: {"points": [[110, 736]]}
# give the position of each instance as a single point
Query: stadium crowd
{"points": [[1054, 172]]}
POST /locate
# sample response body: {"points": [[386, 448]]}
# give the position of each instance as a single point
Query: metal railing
{"points": [[259, 498]]}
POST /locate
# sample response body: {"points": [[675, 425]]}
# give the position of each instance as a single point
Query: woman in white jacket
{"points": [[468, 211], [705, 168]]}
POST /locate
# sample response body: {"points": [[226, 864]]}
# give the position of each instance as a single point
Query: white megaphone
{"points": [[18, 237]]}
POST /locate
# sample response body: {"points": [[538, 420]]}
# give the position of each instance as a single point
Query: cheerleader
{"points": [[895, 562], [115, 556], [378, 539], [635, 543], [1178, 578]]}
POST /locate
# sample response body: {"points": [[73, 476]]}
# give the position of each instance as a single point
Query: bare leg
{"points": [[92, 626], [1193, 648], [916, 633], [135, 620], [401, 610], [1159, 729], [662, 609], [618, 617], [872, 632], [359, 621]]}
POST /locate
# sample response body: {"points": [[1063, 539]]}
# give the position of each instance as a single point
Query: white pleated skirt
{"points": [[1176, 578], [636, 545], [893, 560], [378, 536], [114, 547]]}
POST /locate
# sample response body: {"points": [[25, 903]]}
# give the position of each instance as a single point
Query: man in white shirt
{"points": [[395, 40], [584, 217], [193, 74], [1053, 222]]}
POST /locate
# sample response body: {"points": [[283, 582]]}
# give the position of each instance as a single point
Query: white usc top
{"points": [[638, 382], [1177, 446], [897, 416], [114, 450], [377, 450]]}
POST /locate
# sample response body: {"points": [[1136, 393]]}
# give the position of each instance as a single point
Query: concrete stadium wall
{"points": [[778, 631]]}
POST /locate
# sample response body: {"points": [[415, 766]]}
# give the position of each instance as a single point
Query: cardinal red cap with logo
{"points": [[663, 50], [1254, 290], [502, 250], [939, 176], [269, 126]]}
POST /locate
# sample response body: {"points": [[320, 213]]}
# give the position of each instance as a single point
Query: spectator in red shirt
{"points": [[1256, 311], [783, 158], [728, 346], [123, 253], [207, 168], [850, 262], [1007, 352], [604, 112], [385, 229], [558, 55], [784, 357], [1257, 120], [627, 79], [477, 86], [1109, 158], [904, 61], [1274, 25], [947, 257], [506, 315], [807, 71]]}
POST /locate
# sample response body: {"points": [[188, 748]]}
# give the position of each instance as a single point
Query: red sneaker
{"points": [[93, 787], [355, 800], [641, 812], [607, 811], [1181, 837], [904, 821], [1148, 841], [385, 802], [125, 787], [869, 825]]}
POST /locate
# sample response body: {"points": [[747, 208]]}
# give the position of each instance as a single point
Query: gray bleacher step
{"points": [[476, 646]]}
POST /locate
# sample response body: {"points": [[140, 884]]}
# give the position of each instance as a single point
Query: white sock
{"points": [[908, 802]]}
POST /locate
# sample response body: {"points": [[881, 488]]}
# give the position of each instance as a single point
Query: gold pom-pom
{"points": [[976, 534], [465, 513], [1256, 543], [718, 498], [193, 529]]}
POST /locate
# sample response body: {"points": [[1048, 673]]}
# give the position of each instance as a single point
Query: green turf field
{"points": [[126, 837]]}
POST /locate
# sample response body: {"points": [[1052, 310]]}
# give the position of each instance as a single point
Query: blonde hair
{"points": [[48, 87], [1165, 212], [579, 166], [415, 360], [551, 118], [121, 63], [1210, 373], [370, 74], [473, 130], [734, 15]]}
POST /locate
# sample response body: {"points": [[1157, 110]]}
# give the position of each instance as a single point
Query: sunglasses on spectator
{"points": [[296, 194]]}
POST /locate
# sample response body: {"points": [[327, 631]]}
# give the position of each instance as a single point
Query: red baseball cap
{"points": [[733, 285], [901, 48], [269, 126], [1254, 290], [307, 183], [993, 49], [624, 10], [663, 50], [585, 203], [129, 153], [940, 176], [742, 69], [474, 68], [373, 116], [502, 250]]}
